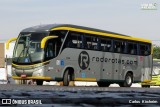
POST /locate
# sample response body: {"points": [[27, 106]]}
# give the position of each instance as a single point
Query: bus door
{"points": [[51, 51]]}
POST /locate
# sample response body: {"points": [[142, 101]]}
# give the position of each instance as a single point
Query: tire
{"points": [[146, 86], [39, 82], [128, 81], [103, 84], [66, 78]]}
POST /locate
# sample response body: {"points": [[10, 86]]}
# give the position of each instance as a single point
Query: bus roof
{"points": [[49, 27], [52, 26]]}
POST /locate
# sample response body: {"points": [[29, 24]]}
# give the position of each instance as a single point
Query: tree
{"points": [[156, 52]]}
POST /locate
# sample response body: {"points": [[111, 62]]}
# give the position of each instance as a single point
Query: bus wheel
{"points": [[39, 82], [146, 86], [128, 81], [66, 78], [103, 84]]}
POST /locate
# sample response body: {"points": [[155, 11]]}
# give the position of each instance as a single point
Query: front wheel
{"points": [[66, 78], [128, 81]]}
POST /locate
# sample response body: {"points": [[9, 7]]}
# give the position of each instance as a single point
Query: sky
{"points": [[120, 16]]}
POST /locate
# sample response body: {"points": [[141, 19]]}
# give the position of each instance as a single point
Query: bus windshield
{"points": [[28, 48]]}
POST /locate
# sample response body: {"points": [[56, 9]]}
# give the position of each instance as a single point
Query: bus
{"points": [[155, 75], [65, 52]]}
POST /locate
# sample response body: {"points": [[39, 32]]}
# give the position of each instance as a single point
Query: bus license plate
{"points": [[23, 76]]}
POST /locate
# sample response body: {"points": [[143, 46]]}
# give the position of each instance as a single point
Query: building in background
{"points": [[5, 62]]}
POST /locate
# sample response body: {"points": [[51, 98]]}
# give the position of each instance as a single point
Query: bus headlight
{"points": [[38, 72], [13, 71]]}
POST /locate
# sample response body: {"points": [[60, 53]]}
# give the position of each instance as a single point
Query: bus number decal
{"points": [[83, 60], [60, 62]]}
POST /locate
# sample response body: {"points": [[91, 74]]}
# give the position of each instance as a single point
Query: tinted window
{"points": [[119, 46], [144, 49], [132, 48], [51, 49], [88, 42], [61, 36], [106, 45], [74, 40], [92, 42]]}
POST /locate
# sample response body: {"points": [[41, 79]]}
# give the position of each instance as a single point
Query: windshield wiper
{"points": [[26, 48], [20, 54], [28, 54]]}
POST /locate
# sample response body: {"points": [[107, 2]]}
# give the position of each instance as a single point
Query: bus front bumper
{"points": [[33, 78], [154, 82]]}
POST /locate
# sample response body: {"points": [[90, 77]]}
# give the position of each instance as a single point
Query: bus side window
{"points": [[144, 49], [50, 49], [61, 35], [88, 42], [70, 43], [131, 50], [94, 43], [148, 49], [123, 47], [74, 40], [117, 46], [79, 41], [135, 48], [108, 45], [103, 44], [99, 44], [141, 49]]}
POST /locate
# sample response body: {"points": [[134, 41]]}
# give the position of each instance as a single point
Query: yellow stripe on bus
{"points": [[102, 34], [40, 77], [85, 79]]}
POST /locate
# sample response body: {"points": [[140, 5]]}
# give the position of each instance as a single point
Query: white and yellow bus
{"points": [[63, 52]]}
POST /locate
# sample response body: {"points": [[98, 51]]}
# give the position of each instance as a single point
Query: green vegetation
{"points": [[156, 52]]}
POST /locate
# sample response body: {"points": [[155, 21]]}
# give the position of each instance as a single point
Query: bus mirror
{"points": [[9, 41], [44, 40]]}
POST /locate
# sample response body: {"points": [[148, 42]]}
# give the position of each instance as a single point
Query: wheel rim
{"points": [[129, 80]]}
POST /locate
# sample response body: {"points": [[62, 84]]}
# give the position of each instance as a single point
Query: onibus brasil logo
{"points": [[149, 6], [83, 60]]}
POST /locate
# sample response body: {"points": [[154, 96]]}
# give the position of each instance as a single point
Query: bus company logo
{"points": [[83, 60]]}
